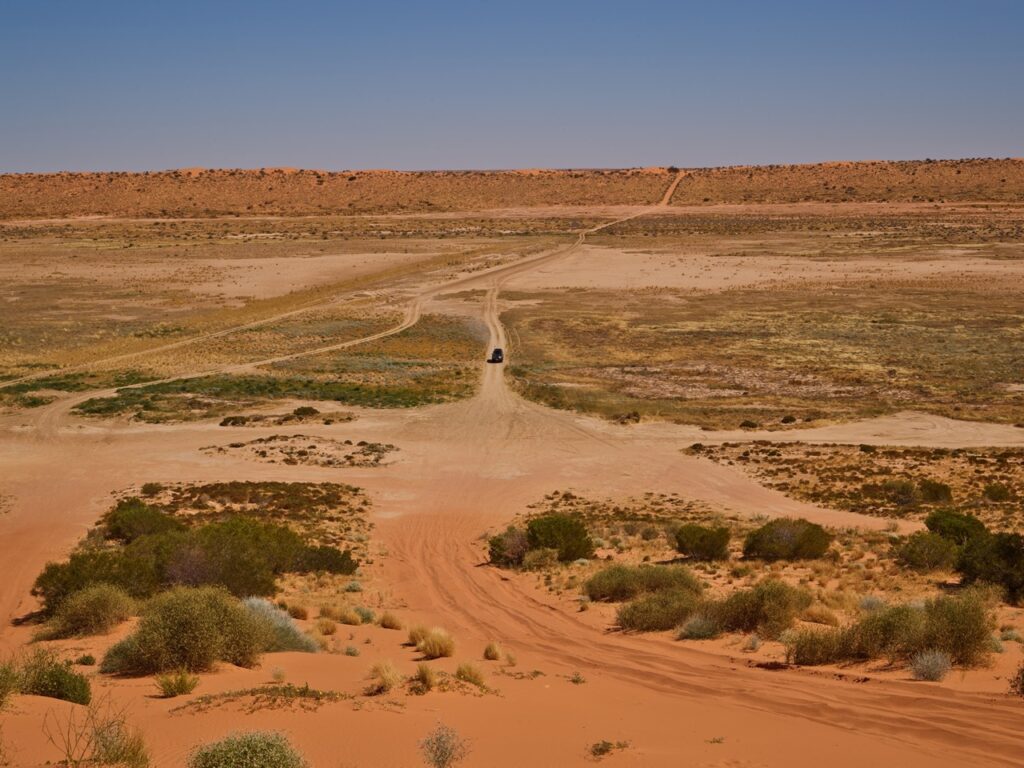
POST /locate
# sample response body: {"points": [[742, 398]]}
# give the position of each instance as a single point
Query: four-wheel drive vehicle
{"points": [[497, 356]]}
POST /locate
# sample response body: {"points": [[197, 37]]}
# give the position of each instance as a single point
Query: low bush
{"points": [[703, 543], [813, 647], [443, 747], [935, 492], [1017, 682], [43, 674], [416, 634], [927, 551], [468, 673], [996, 558], [366, 615], [787, 539], [930, 665], [178, 683], [132, 518], [279, 632], [8, 681], [565, 533], [769, 608], [248, 750], [389, 620], [658, 611], [540, 559], [700, 626], [492, 652], [436, 644], [424, 680], [997, 492], [509, 547], [958, 627], [956, 527], [92, 611], [350, 617], [383, 677], [326, 627], [191, 629], [138, 576], [624, 582]]}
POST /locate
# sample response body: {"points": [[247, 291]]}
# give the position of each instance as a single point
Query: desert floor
{"points": [[469, 466]]}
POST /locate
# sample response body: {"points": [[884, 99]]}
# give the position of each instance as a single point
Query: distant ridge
{"points": [[291, 191]]}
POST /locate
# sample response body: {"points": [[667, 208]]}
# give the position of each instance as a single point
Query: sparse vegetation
{"points": [[246, 750], [177, 683], [435, 643], [469, 673], [787, 539], [383, 678], [443, 747]]}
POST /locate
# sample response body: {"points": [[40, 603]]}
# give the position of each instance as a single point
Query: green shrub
{"points": [[132, 518], [247, 555], [813, 647], [958, 627], [900, 492], [769, 608], [43, 674], [787, 539], [248, 750], [658, 611], [136, 575], [997, 492], [565, 533], [178, 683], [703, 543], [954, 526], [94, 610], [191, 629], [9, 681], [935, 492], [996, 558], [927, 551], [624, 582], [509, 547], [324, 559]]}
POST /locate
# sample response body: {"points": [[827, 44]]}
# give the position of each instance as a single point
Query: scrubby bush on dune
{"points": [[443, 747], [787, 539], [41, 673], [468, 673], [509, 547], [700, 626], [389, 620], [703, 543], [92, 611], [436, 643], [954, 526], [927, 551], [138, 576], [658, 611], [242, 554], [769, 608], [997, 558], [935, 492], [132, 518], [958, 627], [1016, 682], [424, 680], [8, 681], [930, 665], [565, 533], [191, 629], [492, 651], [178, 683], [279, 631], [248, 750], [383, 677], [624, 582]]}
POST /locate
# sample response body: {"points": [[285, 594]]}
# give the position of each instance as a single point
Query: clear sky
{"points": [[100, 85]]}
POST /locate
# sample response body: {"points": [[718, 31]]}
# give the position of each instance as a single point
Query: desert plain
{"points": [[698, 350]]}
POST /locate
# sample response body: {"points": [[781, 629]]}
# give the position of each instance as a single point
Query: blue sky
{"points": [[415, 85]]}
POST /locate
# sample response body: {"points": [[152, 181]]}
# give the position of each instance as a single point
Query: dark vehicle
{"points": [[497, 356]]}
